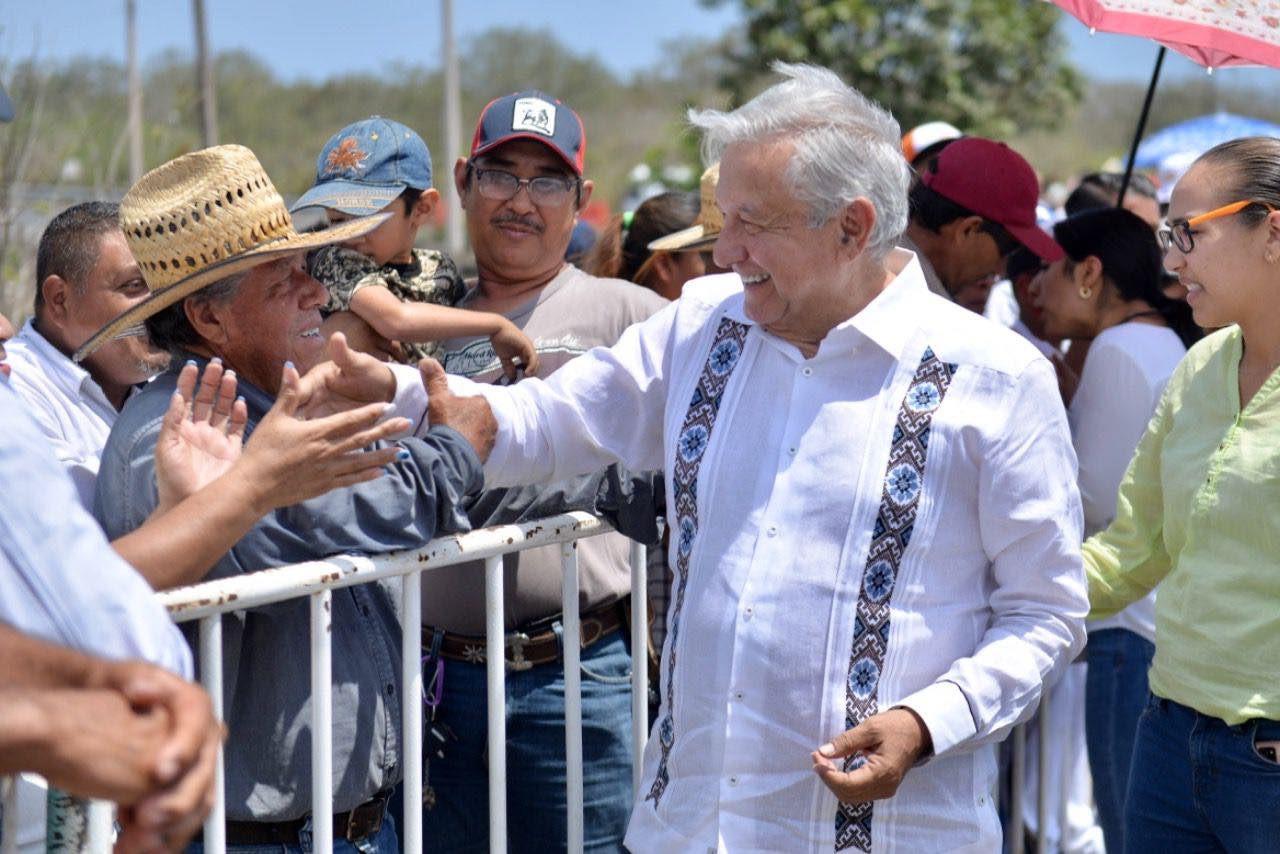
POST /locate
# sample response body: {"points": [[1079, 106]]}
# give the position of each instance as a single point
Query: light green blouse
{"points": [[1199, 514]]}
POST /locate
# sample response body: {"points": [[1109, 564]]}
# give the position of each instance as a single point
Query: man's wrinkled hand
{"points": [[183, 769], [290, 459], [94, 744], [201, 434], [470, 416], [890, 743], [348, 380]]}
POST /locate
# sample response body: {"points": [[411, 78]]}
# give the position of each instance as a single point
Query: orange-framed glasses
{"points": [[1178, 232]]}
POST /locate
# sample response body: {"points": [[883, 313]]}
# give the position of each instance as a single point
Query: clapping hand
{"points": [[291, 459], [348, 380], [308, 443], [201, 434]]}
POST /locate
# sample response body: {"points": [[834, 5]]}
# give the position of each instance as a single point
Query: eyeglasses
{"points": [[1178, 233], [545, 190]]}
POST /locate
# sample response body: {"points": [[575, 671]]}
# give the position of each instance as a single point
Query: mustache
{"points": [[515, 219]]}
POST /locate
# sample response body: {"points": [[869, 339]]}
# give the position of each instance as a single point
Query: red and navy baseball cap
{"points": [[532, 115], [996, 183]]}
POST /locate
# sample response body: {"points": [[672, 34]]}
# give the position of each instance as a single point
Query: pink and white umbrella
{"points": [[1214, 33]]}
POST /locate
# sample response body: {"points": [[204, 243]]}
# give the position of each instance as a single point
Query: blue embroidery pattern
{"points": [[895, 520], [695, 433]]}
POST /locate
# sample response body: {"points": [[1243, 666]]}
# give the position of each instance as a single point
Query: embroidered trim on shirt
{"points": [[695, 435], [903, 485]]}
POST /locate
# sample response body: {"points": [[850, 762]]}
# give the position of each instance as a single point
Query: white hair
{"points": [[846, 146]]}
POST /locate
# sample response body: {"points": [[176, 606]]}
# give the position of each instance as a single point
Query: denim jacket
{"points": [[266, 651]]}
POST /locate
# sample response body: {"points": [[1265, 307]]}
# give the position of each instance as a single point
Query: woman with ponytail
{"points": [[621, 251], [1108, 290], [1197, 515]]}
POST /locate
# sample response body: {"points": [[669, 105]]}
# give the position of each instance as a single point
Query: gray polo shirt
{"points": [[572, 314], [266, 651]]}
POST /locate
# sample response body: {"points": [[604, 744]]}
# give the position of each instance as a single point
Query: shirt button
{"points": [[733, 781], [773, 531], [791, 451], [737, 695], [807, 371], [982, 800], [748, 612]]}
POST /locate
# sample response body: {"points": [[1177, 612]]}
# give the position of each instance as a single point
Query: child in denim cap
{"points": [[405, 294]]}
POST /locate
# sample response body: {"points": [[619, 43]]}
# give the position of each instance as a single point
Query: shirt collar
{"points": [[66, 374], [889, 321], [892, 319]]}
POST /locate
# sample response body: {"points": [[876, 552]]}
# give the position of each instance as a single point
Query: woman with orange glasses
{"points": [[1197, 515]]}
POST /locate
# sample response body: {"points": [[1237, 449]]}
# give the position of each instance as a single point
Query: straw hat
{"points": [[201, 218], [706, 228]]}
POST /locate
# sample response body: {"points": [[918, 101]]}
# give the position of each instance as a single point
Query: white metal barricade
{"points": [[209, 601], [317, 579]]}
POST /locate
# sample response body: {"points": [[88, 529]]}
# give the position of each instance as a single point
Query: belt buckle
{"points": [[349, 833], [351, 820], [515, 643]]}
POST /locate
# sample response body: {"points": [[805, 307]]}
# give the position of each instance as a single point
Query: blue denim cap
{"points": [[365, 166]]}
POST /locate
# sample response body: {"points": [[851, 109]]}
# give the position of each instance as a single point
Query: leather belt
{"points": [[360, 823], [524, 649]]}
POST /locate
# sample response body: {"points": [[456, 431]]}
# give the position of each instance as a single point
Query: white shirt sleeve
{"points": [[1029, 520], [79, 466], [605, 406], [60, 580]]}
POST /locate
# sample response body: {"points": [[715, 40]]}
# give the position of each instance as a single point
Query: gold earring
{"points": [[1085, 293]]}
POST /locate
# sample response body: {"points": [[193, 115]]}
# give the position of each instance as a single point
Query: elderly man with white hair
{"points": [[872, 497]]}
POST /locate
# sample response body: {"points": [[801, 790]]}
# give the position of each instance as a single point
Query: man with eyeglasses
{"points": [[970, 208], [522, 189]]}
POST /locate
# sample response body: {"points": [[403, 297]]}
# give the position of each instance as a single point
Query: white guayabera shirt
{"points": [[66, 403], [986, 603]]}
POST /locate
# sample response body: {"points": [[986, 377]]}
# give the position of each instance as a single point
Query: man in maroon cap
{"points": [[970, 208]]}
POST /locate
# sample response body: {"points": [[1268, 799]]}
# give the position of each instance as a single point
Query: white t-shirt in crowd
{"points": [[1123, 377]]}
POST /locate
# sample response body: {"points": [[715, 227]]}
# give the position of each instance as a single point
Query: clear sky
{"points": [[318, 38]]}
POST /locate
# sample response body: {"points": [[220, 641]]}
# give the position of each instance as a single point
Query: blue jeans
{"points": [[1199, 785], [1115, 695], [536, 808], [384, 841]]}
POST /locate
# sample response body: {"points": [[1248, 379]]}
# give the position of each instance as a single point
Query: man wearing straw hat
{"points": [[225, 269]]}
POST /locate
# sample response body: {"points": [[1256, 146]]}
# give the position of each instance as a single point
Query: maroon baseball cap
{"points": [[996, 183], [532, 115]]}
